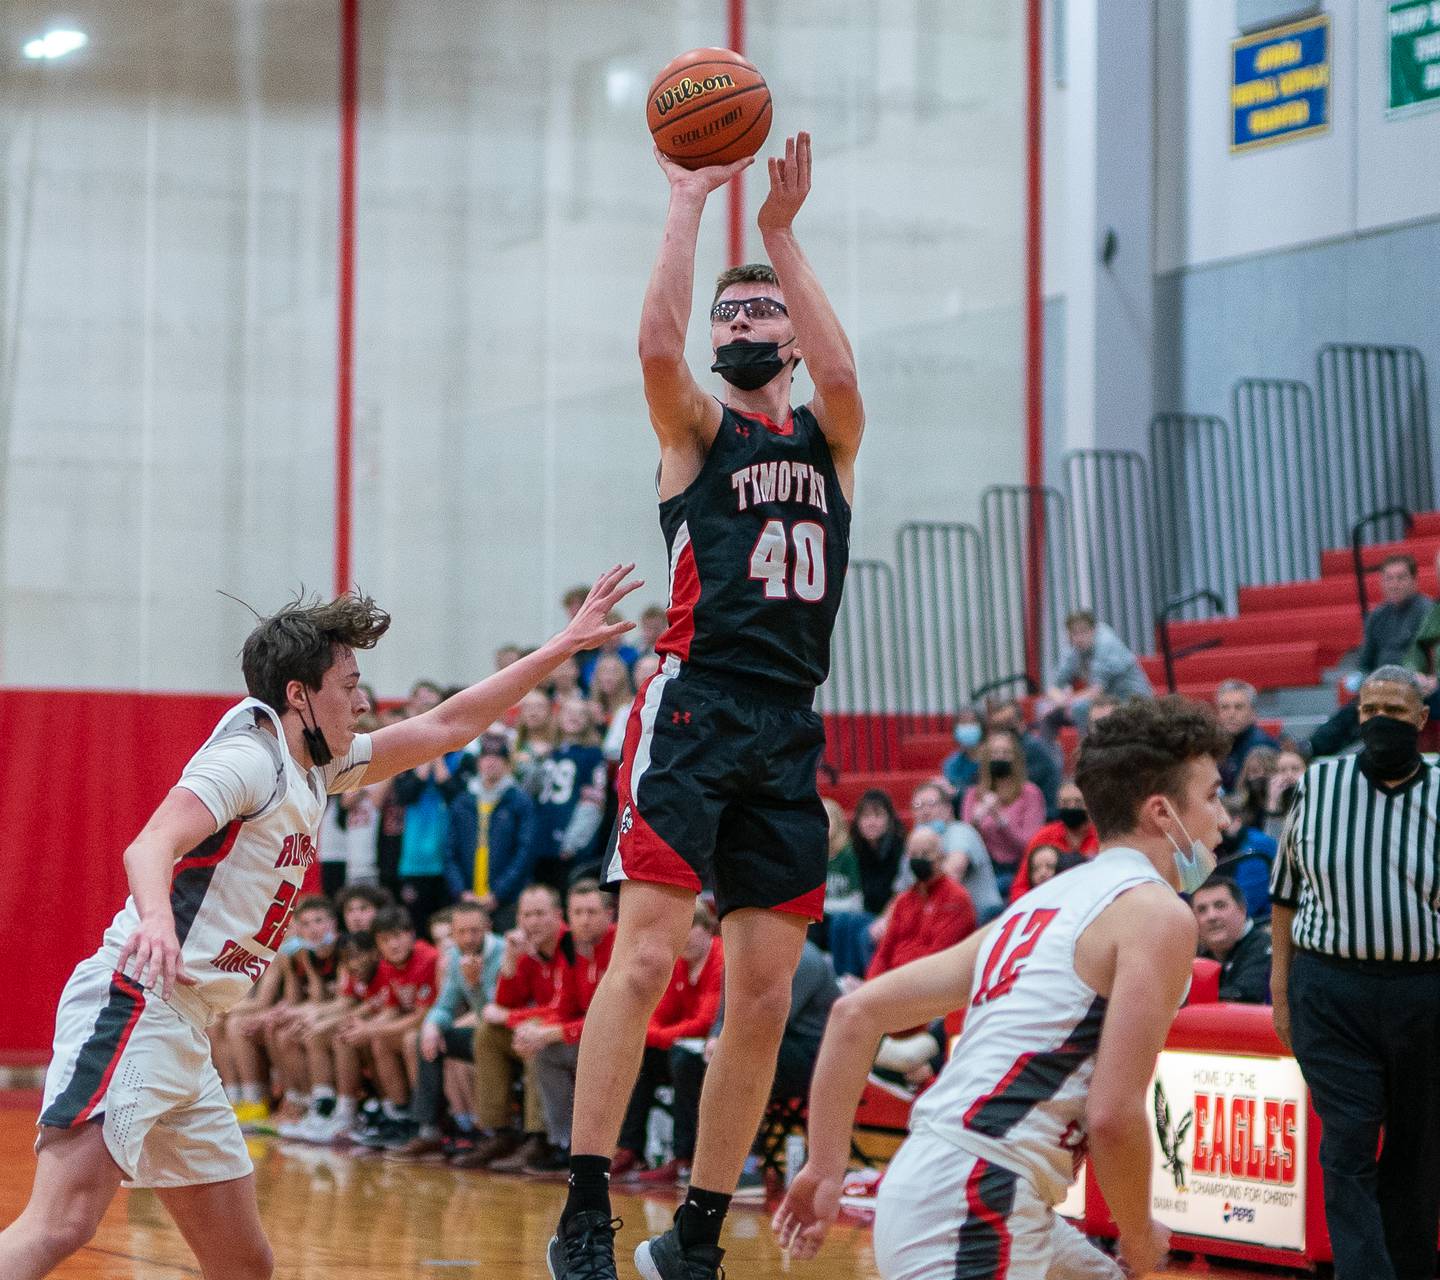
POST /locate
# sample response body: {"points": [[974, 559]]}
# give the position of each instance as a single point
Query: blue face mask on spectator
{"points": [[968, 736], [938, 826]]}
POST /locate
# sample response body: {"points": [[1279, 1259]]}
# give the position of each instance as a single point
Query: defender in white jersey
{"points": [[131, 1095], [1068, 998]]}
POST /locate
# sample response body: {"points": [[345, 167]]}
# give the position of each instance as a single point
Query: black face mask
{"points": [[315, 744], [748, 365], [1287, 797], [1000, 770], [1228, 843], [1392, 747], [922, 869], [1074, 818]]}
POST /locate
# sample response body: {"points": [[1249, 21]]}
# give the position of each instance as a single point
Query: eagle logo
{"points": [[1172, 1139]]}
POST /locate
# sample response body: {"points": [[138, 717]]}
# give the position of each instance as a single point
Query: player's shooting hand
{"points": [[1141, 1254], [789, 185], [155, 952], [700, 181], [808, 1211], [589, 629]]}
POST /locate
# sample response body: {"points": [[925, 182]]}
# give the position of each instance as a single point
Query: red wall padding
{"points": [[80, 772]]}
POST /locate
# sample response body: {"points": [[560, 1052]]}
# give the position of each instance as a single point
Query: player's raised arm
{"points": [[819, 336], [469, 713], [914, 994], [680, 411]]}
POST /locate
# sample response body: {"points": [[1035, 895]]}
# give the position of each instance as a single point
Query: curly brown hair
{"points": [[299, 642], [1140, 750]]}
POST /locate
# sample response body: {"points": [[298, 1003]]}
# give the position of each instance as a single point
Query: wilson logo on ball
{"points": [[677, 94]]}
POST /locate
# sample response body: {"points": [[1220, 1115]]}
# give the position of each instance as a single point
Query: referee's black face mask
{"points": [[1392, 747]]}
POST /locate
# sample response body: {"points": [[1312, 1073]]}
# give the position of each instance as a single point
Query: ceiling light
{"points": [[55, 44]]}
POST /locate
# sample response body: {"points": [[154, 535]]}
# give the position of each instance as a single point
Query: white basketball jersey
{"points": [[1015, 1087], [233, 894]]}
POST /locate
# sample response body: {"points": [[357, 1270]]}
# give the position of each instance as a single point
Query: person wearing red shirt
{"points": [[934, 913], [406, 988], [531, 971], [553, 1041], [1071, 832], [686, 1012]]}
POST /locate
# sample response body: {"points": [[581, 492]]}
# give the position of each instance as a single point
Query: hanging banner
{"points": [[1280, 85], [1413, 43], [1229, 1143]]}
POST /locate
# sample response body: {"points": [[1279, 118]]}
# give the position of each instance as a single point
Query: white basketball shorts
{"points": [[125, 1059], [944, 1214]]}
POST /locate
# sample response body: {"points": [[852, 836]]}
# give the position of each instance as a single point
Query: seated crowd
{"points": [[430, 997]]}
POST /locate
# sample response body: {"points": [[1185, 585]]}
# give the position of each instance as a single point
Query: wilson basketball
{"points": [[709, 106]]}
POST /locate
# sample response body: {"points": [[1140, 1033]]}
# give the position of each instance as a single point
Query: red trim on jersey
{"points": [[810, 904], [981, 1103], [209, 854], [684, 596], [137, 993], [773, 427], [982, 1212]]}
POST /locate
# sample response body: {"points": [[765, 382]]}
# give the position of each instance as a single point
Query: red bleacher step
{"points": [[1320, 592], [1268, 666], [1341, 562], [1427, 525], [1335, 628], [924, 750]]}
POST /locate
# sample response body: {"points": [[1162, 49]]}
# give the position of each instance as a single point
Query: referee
{"points": [[1356, 981]]}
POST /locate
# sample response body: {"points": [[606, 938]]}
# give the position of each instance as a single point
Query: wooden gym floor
{"points": [[333, 1213]]}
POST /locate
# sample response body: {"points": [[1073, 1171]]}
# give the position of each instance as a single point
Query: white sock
{"points": [[295, 1097], [252, 1093], [232, 1093], [345, 1107], [393, 1110], [322, 1091]]}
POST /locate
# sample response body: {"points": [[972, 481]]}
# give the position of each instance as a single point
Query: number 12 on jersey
{"points": [[770, 561], [999, 979]]}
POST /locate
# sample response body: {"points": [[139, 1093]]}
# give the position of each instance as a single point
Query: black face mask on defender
{"points": [[315, 744]]}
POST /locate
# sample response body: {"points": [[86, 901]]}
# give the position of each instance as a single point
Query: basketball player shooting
{"points": [[131, 1094], [1068, 996], [717, 780]]}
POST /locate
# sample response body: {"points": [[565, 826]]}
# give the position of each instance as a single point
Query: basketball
{"points": [[708, 107]]}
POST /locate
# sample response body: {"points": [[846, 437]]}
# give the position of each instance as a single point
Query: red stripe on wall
{"points": [[736, 208], [345, 288]]}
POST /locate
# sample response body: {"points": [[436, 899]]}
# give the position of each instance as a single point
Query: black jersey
{"points": [[758, 548]]}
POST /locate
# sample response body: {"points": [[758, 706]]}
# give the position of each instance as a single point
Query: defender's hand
{"points": [[588, 628]]}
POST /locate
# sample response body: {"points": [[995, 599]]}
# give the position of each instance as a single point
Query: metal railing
{"points": [[946, 618], [1357, 553], [1376, 423], [1162, 625], [1192, 464], [1283, 507], [863, 691], [1008, 514], [1113, 533]]}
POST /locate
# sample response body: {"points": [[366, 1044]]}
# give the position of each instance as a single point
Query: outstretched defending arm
{"points": [[681, 413], [822, 342], [469, 713]]}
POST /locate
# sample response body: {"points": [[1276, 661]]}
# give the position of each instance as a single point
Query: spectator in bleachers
{"points": [[1280, 791], [1072, 831], [1101, 705], [966, 858], [532, 968], [359, 815], [1004, 806], [1390, 632], [565, 681], [535, 732], [1246, 855], [1424, 655], [506, 655], [1095, 661], [358, 904], [686, 1012], [1043, 763], [570, 801], [813, 991], [472, 970], [1228, 935], [311, 980], [653, 621], [611, 692], [645, 667], [554, 1041], [960, 768], [426, 792], [1235, 709], [1042, 862], [391, 832], [406, 984], [492, 834], [1253, 784], [878, 838], [934, 913], [842, 872], [246, 1027]]}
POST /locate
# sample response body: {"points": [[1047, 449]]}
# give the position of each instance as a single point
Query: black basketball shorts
{"points": [[717, 792]]}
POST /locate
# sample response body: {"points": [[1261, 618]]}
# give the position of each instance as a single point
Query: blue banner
{"points": [[1280, 85]]}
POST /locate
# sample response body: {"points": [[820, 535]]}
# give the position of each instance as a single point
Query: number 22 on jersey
{"points": [[998, 979], [770, 561]]}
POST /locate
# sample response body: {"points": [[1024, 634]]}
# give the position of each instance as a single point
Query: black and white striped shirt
{"points": [[1360, 864]]}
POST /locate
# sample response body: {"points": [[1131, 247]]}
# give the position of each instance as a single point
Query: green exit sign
{"points": [[1413, 39]]}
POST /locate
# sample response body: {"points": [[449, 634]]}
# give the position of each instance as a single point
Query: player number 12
{"points": [[769, 561]]}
